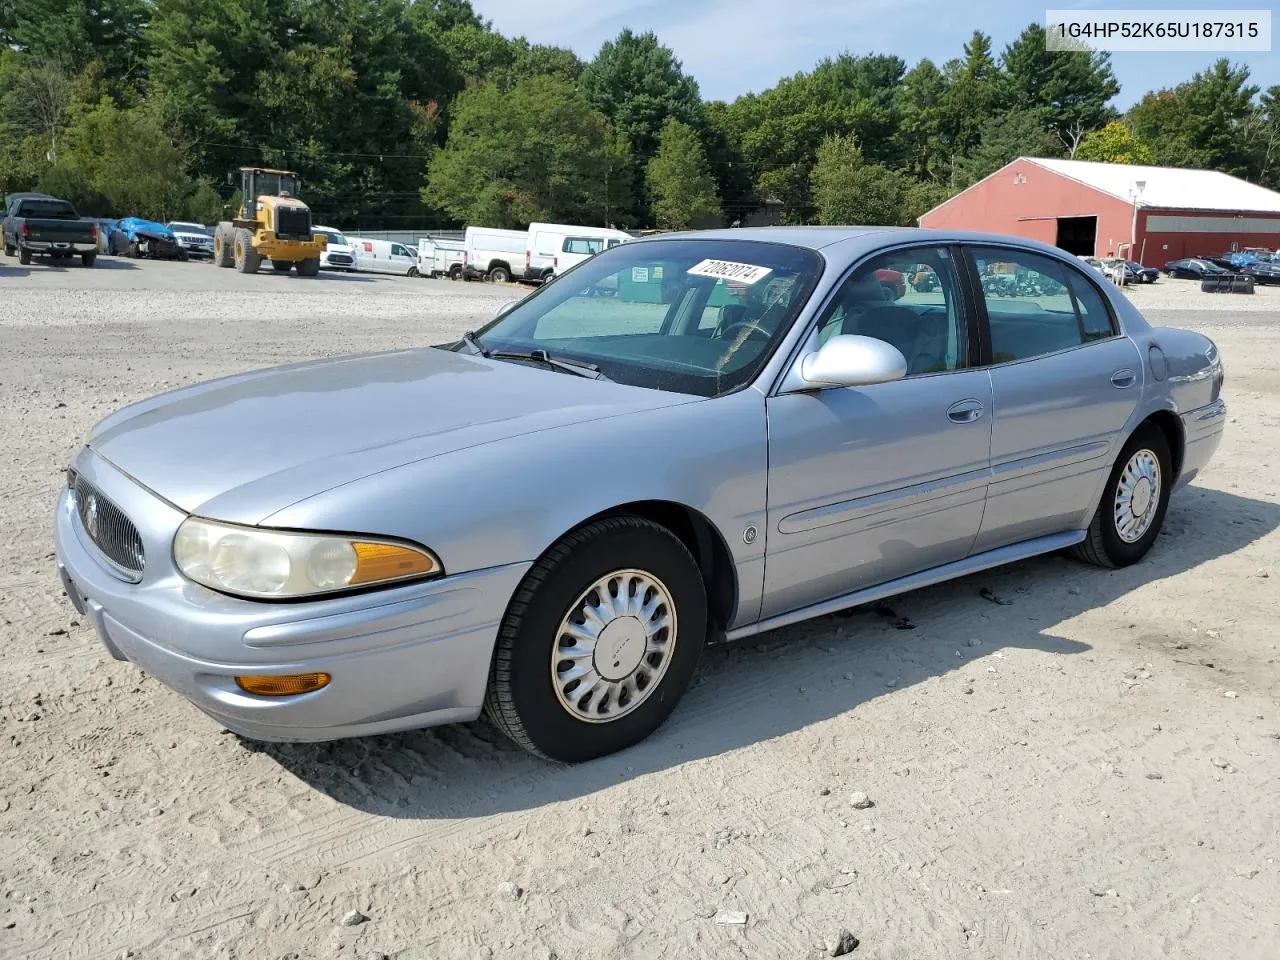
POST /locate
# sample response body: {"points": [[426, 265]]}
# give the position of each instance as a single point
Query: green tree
{"points": [[536, 152], [1206, 122], [1069, 91], [975, 92], [638, 84], [1114, 143], [921, 197], [728, 163], [921, 125], [1003, 138], [74, 33], [835, 179], [683, 190]]}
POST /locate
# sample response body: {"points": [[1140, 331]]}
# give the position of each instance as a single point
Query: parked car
{"points": [[552, 248], [136, 237], [492, 254], [440, 257], [1137, 273], [336, 548], [1192, 268], [338, 253], [1263, 271], [194, 238], [47, 227], [383, 256]]}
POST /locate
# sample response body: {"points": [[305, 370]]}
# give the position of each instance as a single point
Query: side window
{"points": [[1095, 318], [585, 245], [1029, 308], [909, 298]]}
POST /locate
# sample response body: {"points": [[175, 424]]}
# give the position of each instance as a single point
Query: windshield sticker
{"points": [[639, 274], [728, 270]]}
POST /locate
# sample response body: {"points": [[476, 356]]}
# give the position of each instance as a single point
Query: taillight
{"points": [[25, 229], [528, 259], [93, 231], [466, 257], [555, 263]]}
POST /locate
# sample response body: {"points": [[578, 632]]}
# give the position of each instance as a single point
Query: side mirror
{"points": [[853, 361], [505, 309]]}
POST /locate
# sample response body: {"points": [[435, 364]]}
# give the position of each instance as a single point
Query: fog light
{"points": [[290, 686]]}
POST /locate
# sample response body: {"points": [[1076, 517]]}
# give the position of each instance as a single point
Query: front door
{"points": [[868, 484], [1064, 384]]}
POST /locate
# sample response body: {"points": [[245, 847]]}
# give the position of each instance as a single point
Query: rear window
{"points": [[47, 210]]}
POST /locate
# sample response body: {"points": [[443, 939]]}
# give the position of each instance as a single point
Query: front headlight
{"points": [[279, 565]]}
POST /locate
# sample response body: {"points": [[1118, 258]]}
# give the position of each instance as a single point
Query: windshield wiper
{"points": [[579, 368]]}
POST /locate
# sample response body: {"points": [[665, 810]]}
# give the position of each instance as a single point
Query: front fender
{"points": [[509, 500]]}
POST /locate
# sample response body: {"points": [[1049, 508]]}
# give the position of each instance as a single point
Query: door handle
{"points": [[1124, 378], [966, 411]]}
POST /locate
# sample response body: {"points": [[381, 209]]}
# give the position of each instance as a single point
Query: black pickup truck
{"points": [[48, 227]]}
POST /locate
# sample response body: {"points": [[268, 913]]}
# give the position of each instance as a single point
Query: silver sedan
{"points": [[685, 439]]}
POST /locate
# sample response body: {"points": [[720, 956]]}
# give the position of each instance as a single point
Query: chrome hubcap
{"points": [[1137, 496], [614, 646]]}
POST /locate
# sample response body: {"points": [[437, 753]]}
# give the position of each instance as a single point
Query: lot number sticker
{"points": [[728, 270], [639, 274]]}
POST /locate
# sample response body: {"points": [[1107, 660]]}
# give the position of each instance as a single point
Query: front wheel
{"points": [[309, 268], [413, 272], [281, 266], [599, 642], [1134, 501]]}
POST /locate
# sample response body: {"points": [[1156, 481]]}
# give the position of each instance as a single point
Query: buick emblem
{"points": [[91, 516]]}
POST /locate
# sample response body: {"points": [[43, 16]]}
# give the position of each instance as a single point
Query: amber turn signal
{"points": [[290, 686], [388, 561]]}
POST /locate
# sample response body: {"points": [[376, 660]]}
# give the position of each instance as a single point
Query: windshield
{"points": [[689, 316], [276, 185], [333, 236]]}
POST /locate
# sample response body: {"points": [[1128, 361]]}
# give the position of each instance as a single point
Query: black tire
{"points": [[309, 268], [88, 259], [1103, 546], [24, 256], [9, 251], [499, 275], [455, 272], [224, 245], [413, 272], [135, 250], [281, 266], [246, 256], [522, 699]]}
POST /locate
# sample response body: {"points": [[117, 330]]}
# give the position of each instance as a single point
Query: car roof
{"points": [[864, 239]]}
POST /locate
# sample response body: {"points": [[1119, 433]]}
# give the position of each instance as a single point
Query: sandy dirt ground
{"points": [[1064, 762]]}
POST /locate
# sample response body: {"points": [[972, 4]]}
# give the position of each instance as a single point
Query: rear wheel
{"points": [[1134, 501], [281, 266], [24, 256], [246, 257], [455, 272], [599, 642], [88, 259], [9, 251], [499, 275], [309, 268]]}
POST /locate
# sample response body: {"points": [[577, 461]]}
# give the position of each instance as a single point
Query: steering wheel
{"points": [[754, 326]]}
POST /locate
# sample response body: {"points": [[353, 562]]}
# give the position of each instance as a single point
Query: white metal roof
{"points": [[1168, 187]]}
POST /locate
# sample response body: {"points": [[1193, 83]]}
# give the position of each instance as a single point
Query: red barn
{"points": [[1151, 214]]}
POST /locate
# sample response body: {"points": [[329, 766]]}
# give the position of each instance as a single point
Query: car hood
{"points": [[244, 447]]}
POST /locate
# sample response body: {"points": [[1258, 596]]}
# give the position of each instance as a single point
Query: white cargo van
{"points": [[438, 257], [384, 256], [553, 248], [493, 254]]}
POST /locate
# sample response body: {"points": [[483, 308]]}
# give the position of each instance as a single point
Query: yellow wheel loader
{"points": [[271, 224]]}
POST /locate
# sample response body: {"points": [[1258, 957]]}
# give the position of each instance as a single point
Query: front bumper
{"points": [[402, 658], [337, 260]]}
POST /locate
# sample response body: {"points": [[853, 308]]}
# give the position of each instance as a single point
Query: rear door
{"points": [[1064, 382]]}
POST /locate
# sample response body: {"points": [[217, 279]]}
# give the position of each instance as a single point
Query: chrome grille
{"points": [[110, 530]]}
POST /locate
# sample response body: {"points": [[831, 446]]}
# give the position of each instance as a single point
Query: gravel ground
{"points": [[1088, 769]]}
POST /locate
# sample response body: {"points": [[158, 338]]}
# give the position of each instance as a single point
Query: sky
{"points": [[733, 47]]}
